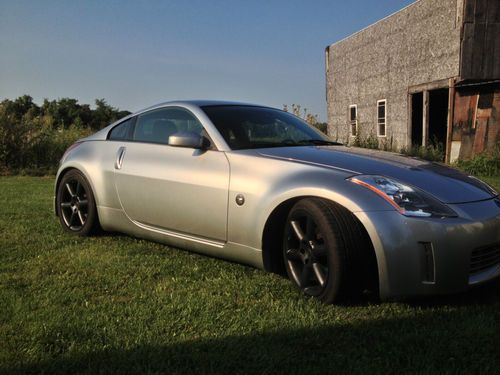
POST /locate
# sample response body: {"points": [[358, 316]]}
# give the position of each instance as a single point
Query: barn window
{"points": [[381, 118], [353, 119]]}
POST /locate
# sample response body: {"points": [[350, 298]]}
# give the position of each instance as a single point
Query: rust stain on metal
{"points": [[480, 136], [476, 121]]}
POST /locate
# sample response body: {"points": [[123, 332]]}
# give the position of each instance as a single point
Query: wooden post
{"points": [[451, 112], [425, 118]]}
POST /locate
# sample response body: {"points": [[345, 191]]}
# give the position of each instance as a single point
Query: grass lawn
{"points": [[118, 304]]}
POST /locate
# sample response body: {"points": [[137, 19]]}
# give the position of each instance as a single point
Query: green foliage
{"points": [[33, 138], [434, 151], [117, 304], [308, 117], [431, 152], [486, 164], [369, 142], [321, 126]]}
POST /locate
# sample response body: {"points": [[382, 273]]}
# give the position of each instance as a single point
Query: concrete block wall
{"points": [[417, 45]]}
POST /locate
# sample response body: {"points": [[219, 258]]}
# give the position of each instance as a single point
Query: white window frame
{"points": [[380, 119], [352, 122]]}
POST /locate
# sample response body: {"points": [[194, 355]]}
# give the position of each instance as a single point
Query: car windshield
{"points": [[245, 127]]}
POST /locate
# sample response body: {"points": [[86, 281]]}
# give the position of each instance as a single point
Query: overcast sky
{"points": [[135, 54]]}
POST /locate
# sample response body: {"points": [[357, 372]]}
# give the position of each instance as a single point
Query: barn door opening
{"points": [[438, 117], [417, 106]]}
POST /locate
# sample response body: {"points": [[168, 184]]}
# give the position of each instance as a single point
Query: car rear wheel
{"points": [[318, 249], [76, 205]]}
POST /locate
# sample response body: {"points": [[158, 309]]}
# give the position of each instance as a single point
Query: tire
{"points": [[320, 248], [76, 206]]}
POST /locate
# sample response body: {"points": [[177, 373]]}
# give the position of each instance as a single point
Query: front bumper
{"points": [[421, 256]]}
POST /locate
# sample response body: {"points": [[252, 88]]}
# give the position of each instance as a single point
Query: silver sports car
{"points": [[259, 186]]}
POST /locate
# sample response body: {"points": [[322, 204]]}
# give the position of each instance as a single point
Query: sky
{"points": [[138, 53]]}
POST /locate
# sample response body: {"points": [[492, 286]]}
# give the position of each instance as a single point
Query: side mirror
{"points": [[189, 140]]}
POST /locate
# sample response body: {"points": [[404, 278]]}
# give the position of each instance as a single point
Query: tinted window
{"points": [[156, 126], [256, 127], [121, 131]]}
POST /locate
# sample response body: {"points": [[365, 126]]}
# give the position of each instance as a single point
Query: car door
{"points": [[176, 189]]}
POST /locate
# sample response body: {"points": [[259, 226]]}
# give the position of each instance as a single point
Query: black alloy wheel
{"points": [[320, 249], [306, 254], [75, 204]]}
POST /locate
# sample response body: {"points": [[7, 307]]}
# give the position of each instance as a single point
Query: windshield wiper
{"points": [[319, 142]]}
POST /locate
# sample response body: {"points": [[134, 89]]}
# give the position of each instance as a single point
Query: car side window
{"points": [[157, 125], [121, 131]]}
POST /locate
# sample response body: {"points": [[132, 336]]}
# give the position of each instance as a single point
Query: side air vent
{"points": [[428, 269]]}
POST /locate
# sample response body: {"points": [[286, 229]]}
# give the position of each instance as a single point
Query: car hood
{"points": [[446, 184]]}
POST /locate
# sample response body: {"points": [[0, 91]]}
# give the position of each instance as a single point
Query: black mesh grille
{"points": [[484, 258]]}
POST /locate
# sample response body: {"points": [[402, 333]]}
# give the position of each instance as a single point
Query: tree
{"points": [[104, 114], [310, 118], [16, 119], [36, 137], [66, 112]]}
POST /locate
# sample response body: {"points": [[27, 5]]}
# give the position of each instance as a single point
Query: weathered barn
{"points": [[427, 74]]}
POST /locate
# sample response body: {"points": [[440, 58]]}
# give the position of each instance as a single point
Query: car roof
{"points": [[198, 103], [193, 105]]}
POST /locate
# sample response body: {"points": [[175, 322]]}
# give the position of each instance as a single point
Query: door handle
{"points": [[119, 158]]}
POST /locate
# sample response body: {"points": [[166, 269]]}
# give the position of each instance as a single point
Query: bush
{"points": [[369, 142], [484, 164], [432, 152], [33, 138], [49, 145]]}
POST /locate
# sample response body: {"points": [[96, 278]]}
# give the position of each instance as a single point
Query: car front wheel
{"points": [[318, 249]]}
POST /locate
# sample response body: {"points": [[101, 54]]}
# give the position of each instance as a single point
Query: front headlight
{"points": [[408, 200]]}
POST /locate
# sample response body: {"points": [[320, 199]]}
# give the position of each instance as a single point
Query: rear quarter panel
{"points": [[95, 159]]}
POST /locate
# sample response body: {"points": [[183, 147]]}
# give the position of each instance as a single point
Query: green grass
{"points": [[117, 304]]}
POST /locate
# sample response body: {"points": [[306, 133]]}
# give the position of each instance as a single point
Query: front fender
{"points": [[267, 183]]}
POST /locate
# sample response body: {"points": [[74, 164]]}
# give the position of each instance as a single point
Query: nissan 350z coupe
{"points": [[259, 186]]}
